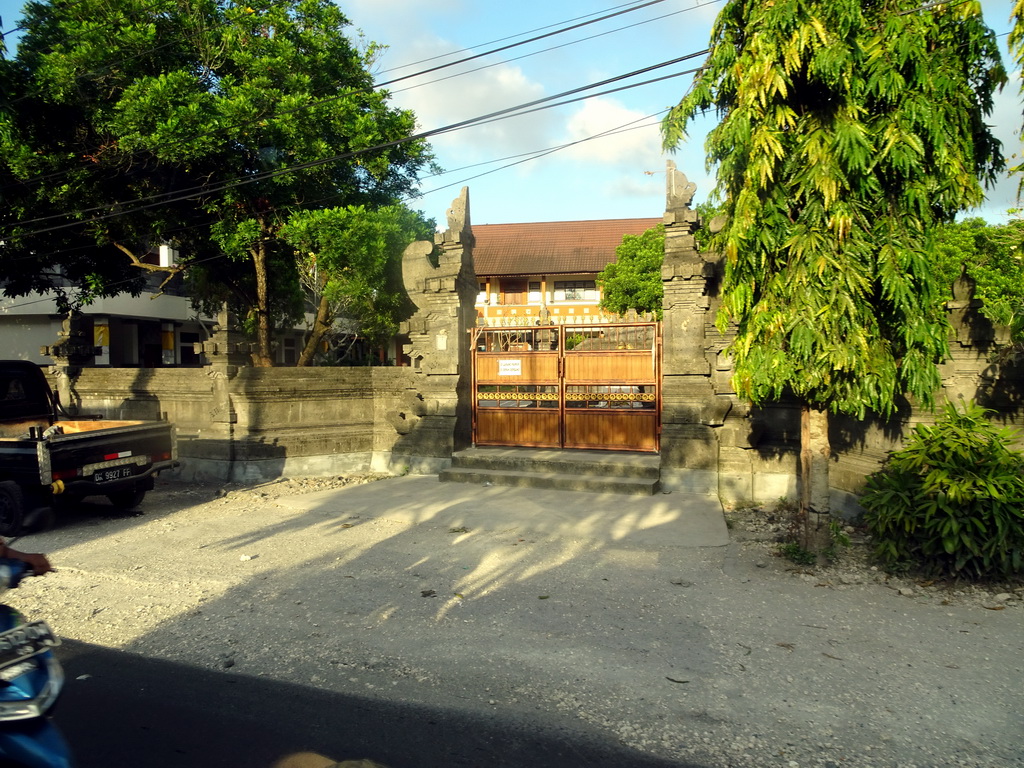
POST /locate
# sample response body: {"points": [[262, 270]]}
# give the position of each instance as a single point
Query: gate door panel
{"points": [[594, 386], [516, 383], [611, 382]]}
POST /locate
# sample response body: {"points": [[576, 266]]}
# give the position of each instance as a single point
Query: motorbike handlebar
{"points": [[12, 572]]}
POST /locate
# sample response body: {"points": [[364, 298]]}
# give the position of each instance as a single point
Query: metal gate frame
{"points": [[595, 386]]}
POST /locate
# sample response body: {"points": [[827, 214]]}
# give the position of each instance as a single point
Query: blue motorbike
{"points": [[31, 679]]}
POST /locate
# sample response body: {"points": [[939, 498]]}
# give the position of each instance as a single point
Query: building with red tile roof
{"points": [[552, 265]]}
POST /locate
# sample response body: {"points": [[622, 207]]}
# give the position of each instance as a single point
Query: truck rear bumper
{"points": [[143, 479]]}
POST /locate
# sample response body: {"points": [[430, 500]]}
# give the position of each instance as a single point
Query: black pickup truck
{"points": [[47, 456]]}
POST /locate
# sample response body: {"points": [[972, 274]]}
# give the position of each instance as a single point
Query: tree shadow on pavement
{"points": [[123, 709]]}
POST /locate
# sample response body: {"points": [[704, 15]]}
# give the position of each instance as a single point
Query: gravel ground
{"points": [[761, 529], [727, 656]]}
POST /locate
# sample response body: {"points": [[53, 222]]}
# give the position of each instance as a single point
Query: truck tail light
{"points": [[66, 474]]}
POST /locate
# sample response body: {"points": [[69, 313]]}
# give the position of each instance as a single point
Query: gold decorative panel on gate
{"points": [[590, 386]]}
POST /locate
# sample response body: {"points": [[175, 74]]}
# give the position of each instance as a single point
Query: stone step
{"points": [[559, 481], [547, 461]]}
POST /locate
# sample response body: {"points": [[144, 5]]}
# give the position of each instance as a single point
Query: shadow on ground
{"points": [[123, 709]]}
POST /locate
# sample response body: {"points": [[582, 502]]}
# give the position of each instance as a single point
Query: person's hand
{"points": [[36, 560]]}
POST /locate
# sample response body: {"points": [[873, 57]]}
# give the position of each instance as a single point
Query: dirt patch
{"points": [[762, 530]]}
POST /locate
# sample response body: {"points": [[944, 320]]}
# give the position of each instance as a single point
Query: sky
{"points": [[595, 158], [618, 175]]}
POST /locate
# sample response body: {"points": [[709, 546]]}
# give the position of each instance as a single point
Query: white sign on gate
{"points": [[510, 367]]}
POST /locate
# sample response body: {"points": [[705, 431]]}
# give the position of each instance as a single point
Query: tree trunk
{"points": [[262, 358], [815, 453], [321, 325]]}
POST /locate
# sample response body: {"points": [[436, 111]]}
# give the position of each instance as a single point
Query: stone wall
{"points": [[261, 423], [236, 422], [714, 442], [242, 423]]}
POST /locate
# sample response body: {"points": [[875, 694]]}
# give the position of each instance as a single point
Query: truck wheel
{"points": [[127, 500], [12, 509]]}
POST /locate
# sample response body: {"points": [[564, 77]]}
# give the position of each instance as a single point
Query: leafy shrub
{"points": [[573, 340], [952, 500], [793, 552]]}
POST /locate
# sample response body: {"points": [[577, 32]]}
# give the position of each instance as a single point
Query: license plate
{"points": [[24, 641], [114, 473]]}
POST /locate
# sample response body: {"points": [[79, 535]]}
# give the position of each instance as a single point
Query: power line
{"points": [[522, 42], [519, 159], [552, 48], [344, 94], [198, 191], [528, 155], [502, 39], [543, 153]]}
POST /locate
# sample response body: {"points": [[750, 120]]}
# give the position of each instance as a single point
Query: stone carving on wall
{"points": [[679, 190], [441, 285], [440, 281]]}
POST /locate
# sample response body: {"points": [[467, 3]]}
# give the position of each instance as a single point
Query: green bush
{"points": [[952, 500]]}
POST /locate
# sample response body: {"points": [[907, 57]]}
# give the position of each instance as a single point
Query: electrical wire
{"points": [[345, 94], [546, 35], [544, 153], [501, 39], [553, 48], [519, 159], [198, 191]]}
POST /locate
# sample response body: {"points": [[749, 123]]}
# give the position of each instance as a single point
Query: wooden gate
{"points": [[565, 386]]}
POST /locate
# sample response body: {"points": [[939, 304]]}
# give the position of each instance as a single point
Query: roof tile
{"points": [[551, 247]]}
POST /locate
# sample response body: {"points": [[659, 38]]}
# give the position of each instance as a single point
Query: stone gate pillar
{"points": [[72, 350], [216, 448], [690, 408], [435, 418], [709, 438]]}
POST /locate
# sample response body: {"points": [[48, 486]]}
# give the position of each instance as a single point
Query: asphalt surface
{"points": [[122, 709], [418, 624]]}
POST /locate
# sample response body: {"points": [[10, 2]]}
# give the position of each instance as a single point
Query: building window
{"points": [[534, 293], [290, 354], [513, 292], [481, 297], [576, 290], [189, 357]]}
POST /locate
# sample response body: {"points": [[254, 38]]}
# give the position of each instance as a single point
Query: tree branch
{"points": [[175, 269]]}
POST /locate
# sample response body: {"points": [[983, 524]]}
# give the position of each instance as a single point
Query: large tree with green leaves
{"points": [[633, 280], [350, 264], [848, 131], [992, 257], [210, 124]]}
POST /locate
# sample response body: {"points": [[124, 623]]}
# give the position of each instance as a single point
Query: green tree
{"points": [[847, 132], [205, 123], [633, 280], [992, 256], [350, 262]]}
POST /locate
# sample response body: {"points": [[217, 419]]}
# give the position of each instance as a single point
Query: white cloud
{"points": [[414, 30], [439, 100], [627, 146]]}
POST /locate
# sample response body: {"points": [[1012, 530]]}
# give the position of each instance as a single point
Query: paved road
{"points": [[120, 709], [427, 624]]}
